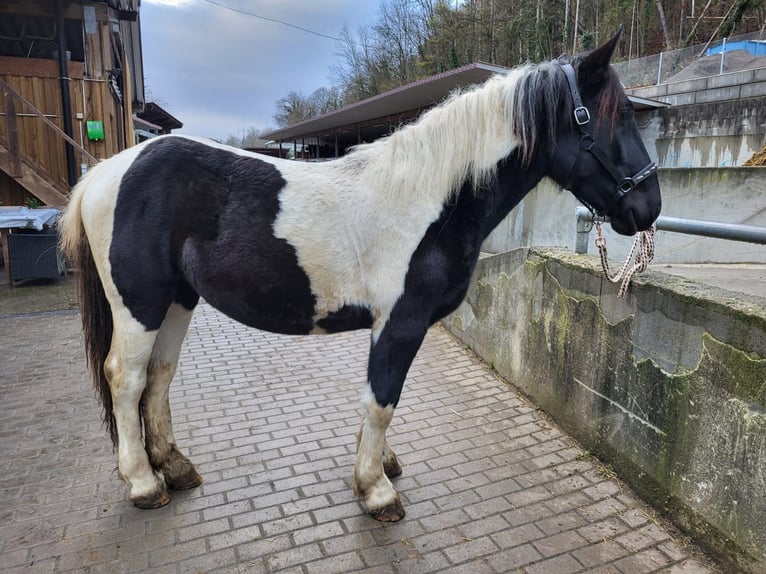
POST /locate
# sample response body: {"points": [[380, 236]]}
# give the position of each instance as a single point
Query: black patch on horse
{"points": [[440, 270], [347, 318], [201, 219]]}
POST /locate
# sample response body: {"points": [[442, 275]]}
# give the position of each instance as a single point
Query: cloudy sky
{"points": [[220, 71]]}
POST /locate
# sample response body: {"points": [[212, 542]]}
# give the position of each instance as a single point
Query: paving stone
{"points": [[488, 484]]}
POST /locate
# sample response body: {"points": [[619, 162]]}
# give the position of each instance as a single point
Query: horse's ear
{"points": [[595, 65]]}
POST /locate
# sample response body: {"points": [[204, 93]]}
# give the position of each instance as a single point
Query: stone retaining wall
{"points": [[668, 385]]}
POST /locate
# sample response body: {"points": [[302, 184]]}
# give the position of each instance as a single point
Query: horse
{"points": [[384, 238]]}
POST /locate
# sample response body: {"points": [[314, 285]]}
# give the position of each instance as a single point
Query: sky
{"points": [[220, 72]]}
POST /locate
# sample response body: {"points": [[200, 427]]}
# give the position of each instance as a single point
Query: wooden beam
{"points": [[35, 181], [6, 256], [38, 68], [127, 102], [56, 129], [12, 135], [42, 8]]}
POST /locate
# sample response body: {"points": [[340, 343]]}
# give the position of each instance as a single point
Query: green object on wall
{"points": [[95, 130]]}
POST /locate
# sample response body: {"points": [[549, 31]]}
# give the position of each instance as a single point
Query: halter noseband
{"points": [[588, 144]]}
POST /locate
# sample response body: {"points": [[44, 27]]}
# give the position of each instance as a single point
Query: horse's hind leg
{"points": [[125, 369], [179, 473], [391, 465]]}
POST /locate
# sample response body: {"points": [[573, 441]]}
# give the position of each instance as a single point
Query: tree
{"points": [[412, 39], [325, 100], [293, 108]]}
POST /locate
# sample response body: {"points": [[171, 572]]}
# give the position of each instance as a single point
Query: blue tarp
{"points": [[755, 47]]}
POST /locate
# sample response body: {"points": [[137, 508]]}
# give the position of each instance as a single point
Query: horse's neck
{"points": [[512, 184]]}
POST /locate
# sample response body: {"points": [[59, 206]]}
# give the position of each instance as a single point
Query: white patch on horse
{"points": [[131, 344], [355, 252], [97, 212]]}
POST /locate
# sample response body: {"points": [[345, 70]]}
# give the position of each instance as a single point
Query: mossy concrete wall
{"points": [[668, 385]]}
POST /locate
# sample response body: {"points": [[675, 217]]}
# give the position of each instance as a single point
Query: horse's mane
{"points": [[543, 99], [464, 138]]}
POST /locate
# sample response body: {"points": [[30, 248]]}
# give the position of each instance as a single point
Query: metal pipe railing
{"points": [[718, 230]]}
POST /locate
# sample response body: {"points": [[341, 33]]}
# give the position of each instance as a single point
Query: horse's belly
{"points": [[288, 313], [347, 318]]}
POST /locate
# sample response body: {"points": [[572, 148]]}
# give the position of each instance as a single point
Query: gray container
{"points": [[35, 255]]}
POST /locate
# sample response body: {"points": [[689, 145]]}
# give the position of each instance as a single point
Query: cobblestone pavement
{"points": [[489, 485]]}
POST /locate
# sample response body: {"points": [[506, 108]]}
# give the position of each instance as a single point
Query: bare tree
{"points": [[292, 108], [358, 70], [325, 100], [664, 25]]}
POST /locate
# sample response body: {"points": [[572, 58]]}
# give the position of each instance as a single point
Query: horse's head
{"points": [[599, 155]]}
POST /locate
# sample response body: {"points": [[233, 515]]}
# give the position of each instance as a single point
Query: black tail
{"points": [[97, 327], [95, 311]]}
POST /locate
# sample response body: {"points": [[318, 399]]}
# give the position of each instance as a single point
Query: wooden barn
{"points": [[71, 80]]}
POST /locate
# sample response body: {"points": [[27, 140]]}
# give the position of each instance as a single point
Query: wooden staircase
{"points": [[34, 180], [19, 165]]}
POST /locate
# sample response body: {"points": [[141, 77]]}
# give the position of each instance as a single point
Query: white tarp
{"points": [[14, 217]]}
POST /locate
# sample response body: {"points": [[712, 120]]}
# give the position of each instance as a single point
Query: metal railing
{"points": [[715, 229]]}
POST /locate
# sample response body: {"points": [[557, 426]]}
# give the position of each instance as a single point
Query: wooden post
{"points": [[6, 256], [127, 100], [12, 133]]}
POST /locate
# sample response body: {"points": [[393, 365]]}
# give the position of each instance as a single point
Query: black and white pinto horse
{"points": [[385, 238]]}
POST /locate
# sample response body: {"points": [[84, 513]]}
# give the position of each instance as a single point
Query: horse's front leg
{"points": [[391, 354]]}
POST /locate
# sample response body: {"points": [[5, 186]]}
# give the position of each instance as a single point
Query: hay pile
{"points": [[759, 158]]}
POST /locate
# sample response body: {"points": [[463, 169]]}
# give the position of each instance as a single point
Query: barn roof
{"points": [[375, 117], [155, 114]]}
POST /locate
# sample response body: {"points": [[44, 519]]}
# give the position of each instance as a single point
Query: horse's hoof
{"points": [[154, 500], [394, 512], [191, 479], [392, 468]]}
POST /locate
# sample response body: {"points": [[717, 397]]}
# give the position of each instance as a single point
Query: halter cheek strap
{"points": [[625, 184]]}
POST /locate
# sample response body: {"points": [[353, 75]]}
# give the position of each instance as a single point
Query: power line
{"points": [[288, 24]]}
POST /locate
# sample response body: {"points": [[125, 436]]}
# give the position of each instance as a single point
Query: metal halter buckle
{"points": [[581, 115], [626, 185]]}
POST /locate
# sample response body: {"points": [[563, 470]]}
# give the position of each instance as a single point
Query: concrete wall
{"points": [[724, 134], [716, 121], [667, 385], [730, 195], [731, 86]]}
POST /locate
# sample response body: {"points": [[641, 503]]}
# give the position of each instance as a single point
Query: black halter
{"points": [[588, 144]]}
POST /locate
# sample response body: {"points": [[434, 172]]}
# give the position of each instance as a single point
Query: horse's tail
{"points": [[95, 311]]}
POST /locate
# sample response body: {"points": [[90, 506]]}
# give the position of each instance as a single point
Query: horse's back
{"points": [[178, 217], [286, 247]]}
